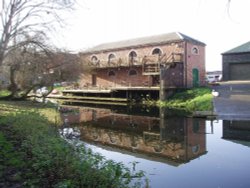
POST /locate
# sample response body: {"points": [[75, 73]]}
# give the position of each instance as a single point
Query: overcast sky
{"points": [[210, 21]]}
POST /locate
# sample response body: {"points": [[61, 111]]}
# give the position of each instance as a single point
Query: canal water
{"points": [[173, 151]]}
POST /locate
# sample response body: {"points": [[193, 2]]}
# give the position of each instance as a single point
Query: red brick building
{"points": [[157, 63]]}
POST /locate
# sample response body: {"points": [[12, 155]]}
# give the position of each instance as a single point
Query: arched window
{"points": [[132, 57], [157, 51], [195, 50], [196, 149], [132, 72], [111, 58], [111, 73], [94, 60]]}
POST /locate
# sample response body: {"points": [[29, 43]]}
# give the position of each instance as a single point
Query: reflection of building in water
{"points": [[78, 115], [236, 130], [186, 133], [172, 139]]}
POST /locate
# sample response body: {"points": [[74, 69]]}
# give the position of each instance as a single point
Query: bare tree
{"points": [[22, 18], [35, 65], [28, 68], [67, 66]]}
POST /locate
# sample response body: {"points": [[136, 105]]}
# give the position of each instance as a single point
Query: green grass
{"points": [[33, 153], [196, 99], [4, 93], [59, 88], [49, 110]]}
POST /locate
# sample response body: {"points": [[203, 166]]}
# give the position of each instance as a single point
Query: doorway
{"points": [[195, 77]]}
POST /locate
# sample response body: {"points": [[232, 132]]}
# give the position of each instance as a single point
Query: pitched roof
{"points": [[143, 41], [239, 49]]}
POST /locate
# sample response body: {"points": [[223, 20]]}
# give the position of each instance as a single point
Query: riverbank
{"points": [[33, 154], [190, 100]]}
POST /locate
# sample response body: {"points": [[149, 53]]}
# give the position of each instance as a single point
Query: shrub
{"points": [[44, 159], [196, 99]]}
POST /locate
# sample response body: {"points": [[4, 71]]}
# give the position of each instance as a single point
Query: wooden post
{"points": [[162, 85]]}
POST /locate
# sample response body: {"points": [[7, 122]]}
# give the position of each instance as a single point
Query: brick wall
{"points": [[141, 52], [195, 61], [172, 76], [196, 137], [122, 77]]}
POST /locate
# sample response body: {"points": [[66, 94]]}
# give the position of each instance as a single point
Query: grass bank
{"points": [[190, 100], [4, 93], [33, 154]]}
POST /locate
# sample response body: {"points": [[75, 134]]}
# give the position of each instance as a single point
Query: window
{"points": [[195, 50], [94, 60], [132, 57], [196, 149], [157, 51], [93, 80], [111, 58], [111, 73], [132, 72]]}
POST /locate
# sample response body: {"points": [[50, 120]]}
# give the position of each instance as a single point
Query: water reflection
{"points": [[172, 140], [215, 153], [237, 131]]}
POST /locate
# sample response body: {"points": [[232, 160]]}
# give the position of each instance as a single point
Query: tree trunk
{"points": [[13, 86]]}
